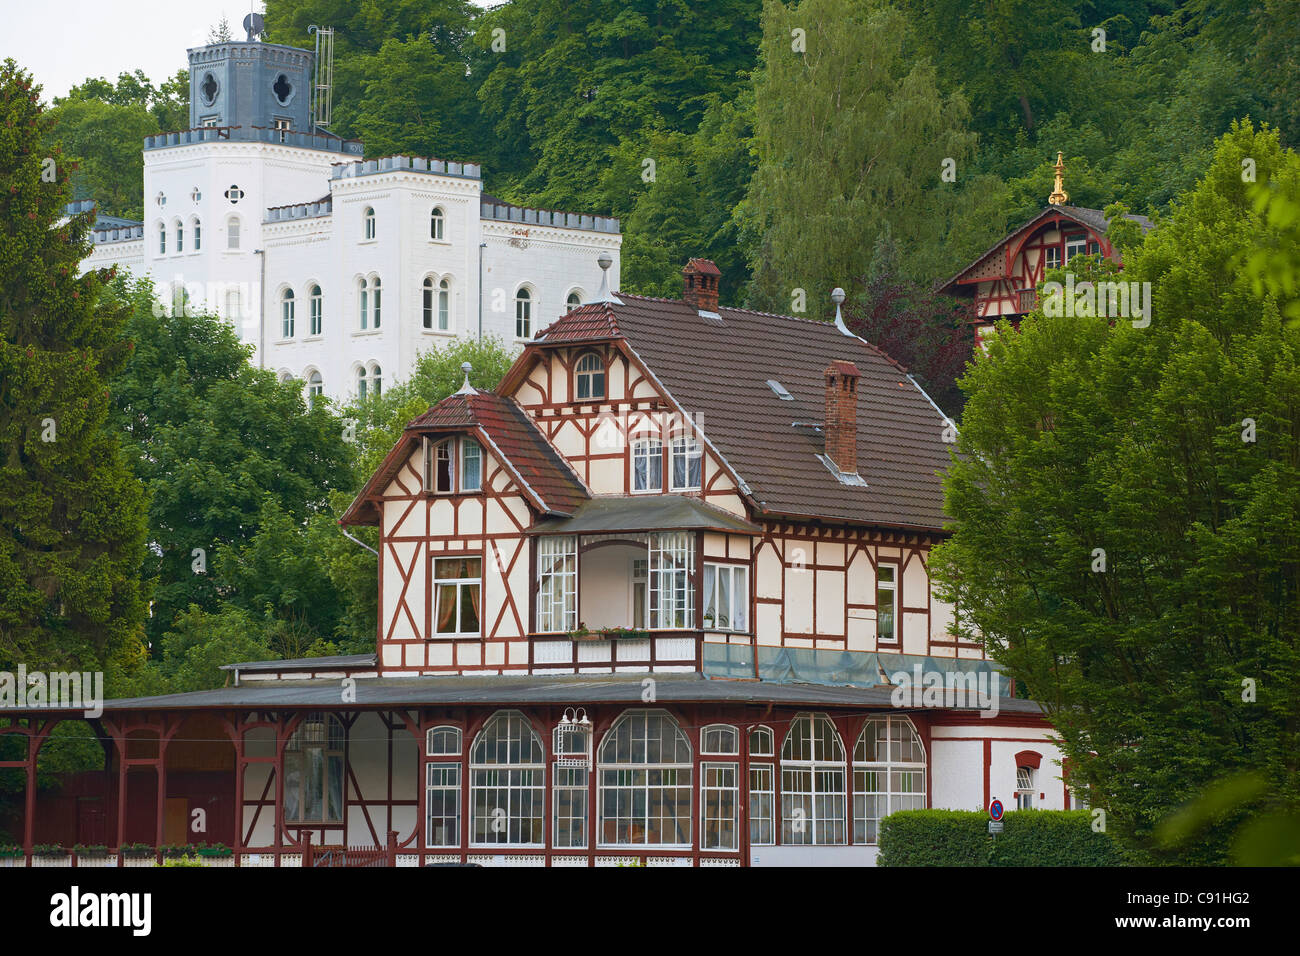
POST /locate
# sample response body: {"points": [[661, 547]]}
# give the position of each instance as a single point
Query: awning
{"points": [[645, 513]]}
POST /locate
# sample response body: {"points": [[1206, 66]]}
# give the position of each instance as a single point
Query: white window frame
{"points": [[437, 224], [232, 233], [316, 300], [901, 774], [584, 372], [287, 308], [518, 784], [671, 582], [470, 449], [804, 780], [627, 781], [894, 587], [714, 572], [762, 732], [570, 790], [462, 585], [180, 237], [162, 238], [557, 583], [650, 451], [689, 451], [762, 803], [442, 779], [369, 223], [198, 233], [1076, 245], [524, 314], [713, 740], [714, 820], [1025, 788], [444, 305]]}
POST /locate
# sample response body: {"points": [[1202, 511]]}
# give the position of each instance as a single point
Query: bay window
{"points": [[557, 583]]}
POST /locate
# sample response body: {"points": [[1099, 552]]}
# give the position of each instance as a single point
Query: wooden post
{"points": [[392, 848]]}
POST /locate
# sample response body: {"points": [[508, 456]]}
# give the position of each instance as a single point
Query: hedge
{"points": [[961, 838]]}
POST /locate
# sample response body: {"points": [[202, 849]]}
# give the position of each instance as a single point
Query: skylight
{"points": [[780, 390]]}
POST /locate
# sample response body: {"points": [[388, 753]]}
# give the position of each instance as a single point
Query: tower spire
{"points": [[1059, 196]]}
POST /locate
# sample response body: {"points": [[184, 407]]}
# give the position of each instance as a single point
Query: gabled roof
{"points": [[502, 426], [718, 372], [1093, 219]]}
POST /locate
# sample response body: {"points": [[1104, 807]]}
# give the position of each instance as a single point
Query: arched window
{"points": [[374, 302], [888, 774], [376, 378], [523, 314], [368, 222], [442, 783], [363, 304], [436, 223], [573, 301], [1025, 788], [444, 306], [198, 234], [507, 768], [719, 739], [313, 771], [180, 236], [363, 379], [162, 239], [644, 774], [286, 314], [762, 787], [812, 783], [317, 302], [315, 384], [590, 377], [232, 232], [428, 302], [283, 375]]}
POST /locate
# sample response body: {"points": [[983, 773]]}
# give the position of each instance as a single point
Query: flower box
{"points": [[609, 634]]}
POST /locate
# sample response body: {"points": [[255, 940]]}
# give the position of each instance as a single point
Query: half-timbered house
{"points": [[1003, 282], [658, 598]]}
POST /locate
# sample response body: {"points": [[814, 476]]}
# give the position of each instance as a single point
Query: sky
{"points": [[61, 42]]}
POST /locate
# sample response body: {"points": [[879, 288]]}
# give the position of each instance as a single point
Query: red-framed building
{"points": [[647, 601]]}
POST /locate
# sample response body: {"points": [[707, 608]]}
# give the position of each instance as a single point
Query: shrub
{"points": [[961, 838]]}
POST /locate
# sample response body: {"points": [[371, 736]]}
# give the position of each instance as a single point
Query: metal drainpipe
{"points": [[481, 247], [261, 309]]}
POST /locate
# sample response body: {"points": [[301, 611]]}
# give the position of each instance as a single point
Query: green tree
{"points": [[72, 514], [851, 134], [211, 437], [1126, 518]]}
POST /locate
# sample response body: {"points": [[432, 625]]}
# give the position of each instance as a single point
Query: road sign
{"points": [[995, 811], [995, 827]]}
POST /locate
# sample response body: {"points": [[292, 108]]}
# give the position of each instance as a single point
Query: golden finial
{"points": [[1059, 196]]}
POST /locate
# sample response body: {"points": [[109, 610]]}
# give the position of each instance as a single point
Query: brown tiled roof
{"points": [[719, 372], [595, 321], [548, 480], [706, 267]]}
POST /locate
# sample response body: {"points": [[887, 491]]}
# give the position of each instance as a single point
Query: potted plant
{"points": [[11, 854], [215, 850], [172, 852], [92, 851], [137, 851], [48, 854]]}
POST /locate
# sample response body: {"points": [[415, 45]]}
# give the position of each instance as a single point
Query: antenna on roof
{"points": [[255, 26], [467, 388], [837, 296], [604, 260], [324, 104]]}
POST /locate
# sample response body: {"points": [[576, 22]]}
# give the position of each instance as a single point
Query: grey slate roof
{"points": [[521, 690], [645, 513]]}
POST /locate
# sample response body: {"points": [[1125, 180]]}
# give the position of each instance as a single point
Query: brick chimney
{"points": [[842, 416], [701, 285]]}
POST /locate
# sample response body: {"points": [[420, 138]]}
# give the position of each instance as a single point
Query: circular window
{"points": [[282, 89], [208, 89], [234, 194]]}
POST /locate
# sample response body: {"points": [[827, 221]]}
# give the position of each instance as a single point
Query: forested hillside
{"points": [[753, 132]]}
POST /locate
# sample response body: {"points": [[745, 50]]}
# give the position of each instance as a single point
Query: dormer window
{"points": [[440, 472], [572, 302], [590, 377], [471, 465]]}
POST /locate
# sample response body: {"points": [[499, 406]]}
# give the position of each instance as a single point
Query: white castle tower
{"points": [[335, 269]]}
